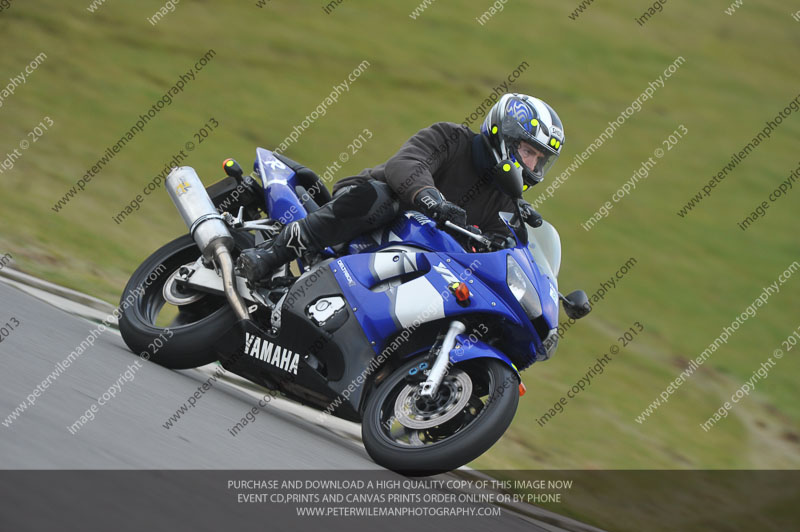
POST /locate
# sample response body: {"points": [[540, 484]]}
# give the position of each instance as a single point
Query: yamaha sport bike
{"points": [[419, 331]]}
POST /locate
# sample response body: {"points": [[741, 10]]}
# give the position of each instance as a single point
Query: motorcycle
{"points": [[419, 331]]}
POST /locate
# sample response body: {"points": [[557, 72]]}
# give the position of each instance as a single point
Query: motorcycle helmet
{"points": [[518, 118]]}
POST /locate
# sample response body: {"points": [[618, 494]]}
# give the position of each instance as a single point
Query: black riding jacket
{"points": [[453, 159]]}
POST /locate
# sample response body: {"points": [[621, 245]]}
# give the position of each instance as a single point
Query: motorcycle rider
{"points": [[444, 171]]}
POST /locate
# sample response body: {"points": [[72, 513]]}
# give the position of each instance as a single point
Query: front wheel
{"points": [[473, 407]]}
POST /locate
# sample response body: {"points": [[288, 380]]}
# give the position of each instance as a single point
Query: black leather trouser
{"points": [[354, 210]]}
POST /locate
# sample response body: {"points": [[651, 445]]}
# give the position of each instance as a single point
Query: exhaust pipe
{"points": [[206, 227], [225, 262]]}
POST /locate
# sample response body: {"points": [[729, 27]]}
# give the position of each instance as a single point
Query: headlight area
{"points": [[527, 295], [523, 289]]}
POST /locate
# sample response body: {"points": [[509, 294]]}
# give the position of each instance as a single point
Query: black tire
{"points": [[491, 379], [192, 334]]}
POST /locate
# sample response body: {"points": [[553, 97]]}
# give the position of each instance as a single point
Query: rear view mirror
{"points": [[576, 304], [508, 177]]}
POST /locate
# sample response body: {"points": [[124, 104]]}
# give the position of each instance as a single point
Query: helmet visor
{"points": [[541, 163], [532, 134]]}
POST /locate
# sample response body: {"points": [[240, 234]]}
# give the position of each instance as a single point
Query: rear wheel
{"points": [[186, 331], [473, 407]]}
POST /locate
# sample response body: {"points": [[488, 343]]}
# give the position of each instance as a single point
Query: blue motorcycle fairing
{"points": [[545, 287], [384, 313], [279, 192], [416, 229], [491, 268], [388, 298], [410, 227], [471, 349]]}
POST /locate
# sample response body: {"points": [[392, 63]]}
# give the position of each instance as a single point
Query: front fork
{"points": [[437, 372]]}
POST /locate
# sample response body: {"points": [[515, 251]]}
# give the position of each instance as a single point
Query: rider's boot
{"points": [[259, 262]]}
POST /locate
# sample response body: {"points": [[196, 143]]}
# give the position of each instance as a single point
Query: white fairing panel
{"points": [[417, 302], [545, 245], [393, 263]]}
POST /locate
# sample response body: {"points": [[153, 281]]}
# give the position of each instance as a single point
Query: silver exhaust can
{"points": [[207, 228], [198, 212]]}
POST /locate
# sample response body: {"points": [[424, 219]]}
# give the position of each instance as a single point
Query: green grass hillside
{"points": [[273, 65]]}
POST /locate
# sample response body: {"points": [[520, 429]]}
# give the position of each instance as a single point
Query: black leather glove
{"points": [[431, 202], [530, 216]]}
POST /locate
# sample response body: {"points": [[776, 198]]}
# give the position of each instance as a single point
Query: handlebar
{"points": [[480, 238]]}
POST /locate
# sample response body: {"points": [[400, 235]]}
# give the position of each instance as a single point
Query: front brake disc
{"points": [[416, 412]]}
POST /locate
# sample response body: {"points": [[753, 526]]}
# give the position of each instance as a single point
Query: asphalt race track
{"points": [[128, 433]]}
